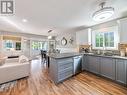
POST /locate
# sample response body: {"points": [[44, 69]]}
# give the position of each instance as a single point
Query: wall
{"points": [[85, 38], [69, 47], [29, 37], [82, 37], [24, 35], [122, 30], [104, 25]]}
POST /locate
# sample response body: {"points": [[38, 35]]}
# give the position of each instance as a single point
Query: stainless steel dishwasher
{"points": [[77, 64]]}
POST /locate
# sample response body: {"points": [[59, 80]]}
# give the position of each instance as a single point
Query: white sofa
{"points": [[13, 70]]}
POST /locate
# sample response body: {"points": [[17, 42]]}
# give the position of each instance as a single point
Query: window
{"points": [[105, 38], [109, 39], [37, 45], [18, 46], [9, 44], [99, 40]]}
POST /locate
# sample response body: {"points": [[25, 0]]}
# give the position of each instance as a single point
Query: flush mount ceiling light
{"points": [[24, 20], [104, 13], [49, 37]]}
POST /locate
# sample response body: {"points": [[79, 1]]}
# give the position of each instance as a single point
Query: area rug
{"points": [[7, 86]]}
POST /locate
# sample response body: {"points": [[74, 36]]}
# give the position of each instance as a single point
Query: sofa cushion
{"points": [[23, 59], [14, 71]]}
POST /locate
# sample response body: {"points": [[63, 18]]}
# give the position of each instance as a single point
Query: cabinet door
{"points": [[123, 30], [94, 63], [85, 64], [82, 37], [121, 71], [107, 67]]}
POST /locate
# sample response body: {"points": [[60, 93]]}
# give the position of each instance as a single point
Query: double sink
{"points": [[104, 54], [108, 55]]}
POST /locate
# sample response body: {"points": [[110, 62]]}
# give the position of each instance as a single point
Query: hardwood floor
{"points": [[83, 84]]}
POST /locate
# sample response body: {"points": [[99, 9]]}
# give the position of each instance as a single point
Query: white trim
{"points": [[108, 29]]}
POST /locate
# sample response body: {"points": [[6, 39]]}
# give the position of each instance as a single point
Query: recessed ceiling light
{"points": [[104, 13], [49, 37], [24, 20]]}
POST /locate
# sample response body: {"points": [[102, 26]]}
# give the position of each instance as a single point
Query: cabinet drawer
{"points": [[64, 61], [65, 66], [65, 75], [65, 70]]}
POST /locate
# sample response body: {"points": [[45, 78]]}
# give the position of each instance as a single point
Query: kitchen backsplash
{"points": [[123, 47], [81, 47], [115, 52]]}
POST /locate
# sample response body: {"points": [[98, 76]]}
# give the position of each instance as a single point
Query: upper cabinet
{"points": [[83, 37], [123, 30]]}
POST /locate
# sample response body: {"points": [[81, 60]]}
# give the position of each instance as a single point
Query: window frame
{"points": [[8, 42], [39, 45], [113, 29]]}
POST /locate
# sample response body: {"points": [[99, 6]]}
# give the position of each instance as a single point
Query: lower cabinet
{"points": [[107, 67], [121, 71], [112, 68], [85, 65], [103, 66], [65, 74], [65, 69], [94, 64], [60, 69], [91, 63]]}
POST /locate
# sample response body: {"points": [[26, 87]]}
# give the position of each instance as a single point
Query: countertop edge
{"points": [[78, 54]]}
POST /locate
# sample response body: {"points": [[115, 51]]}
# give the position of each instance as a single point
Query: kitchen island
{"points": [[62, 65]]}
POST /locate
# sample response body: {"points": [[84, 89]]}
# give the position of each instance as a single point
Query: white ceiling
{"points": [[59, 15]]}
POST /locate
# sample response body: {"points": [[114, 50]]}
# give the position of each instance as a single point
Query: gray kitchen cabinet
{"points": [[112, 68], [60, 69], [121, 71], [85, 64], [94, 64], [91, 64], [65, 68], [107, 67]]}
